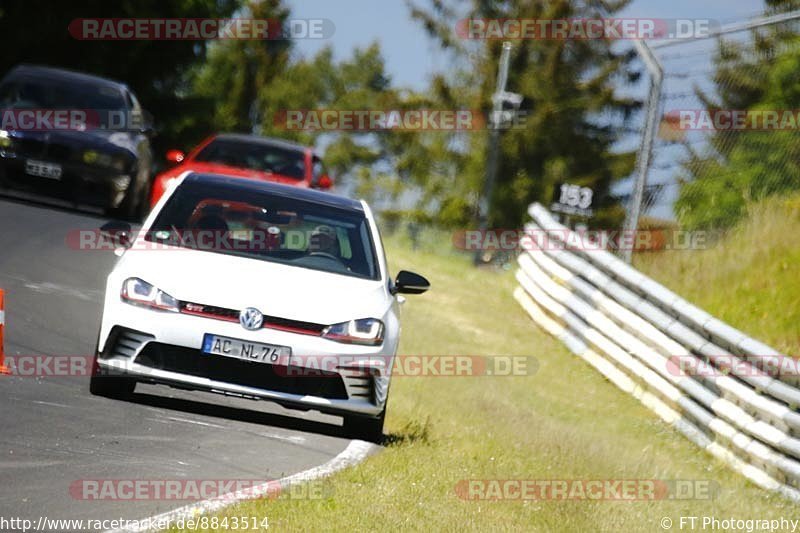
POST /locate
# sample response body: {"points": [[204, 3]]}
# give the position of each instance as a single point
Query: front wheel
{"points": [[143, 206], [135, 204], [365, 428], [109, 386]]}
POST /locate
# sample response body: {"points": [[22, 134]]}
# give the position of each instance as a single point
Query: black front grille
{"points": [[293, 324], [43, 149], [124, 342], [249, 374], [59, 152], [29, 147], [362, 388]]}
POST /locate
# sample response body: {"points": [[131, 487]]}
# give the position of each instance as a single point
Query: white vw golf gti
{"points": [[256, 290]]}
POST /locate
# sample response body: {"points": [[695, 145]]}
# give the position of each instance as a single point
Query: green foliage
{"points": [[196, 88], [236, 70], [159, 72], [567, 86], [372, 161], [746, 166]]}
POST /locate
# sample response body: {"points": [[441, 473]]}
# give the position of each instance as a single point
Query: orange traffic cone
{"points": [[3, 368]]}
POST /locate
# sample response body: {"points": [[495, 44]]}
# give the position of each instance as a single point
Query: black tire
{"points": [[143, 207], [135, 202], [365, 428], [109, 386]]}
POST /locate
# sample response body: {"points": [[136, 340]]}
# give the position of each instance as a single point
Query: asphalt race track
{"points": [[54, 433]]}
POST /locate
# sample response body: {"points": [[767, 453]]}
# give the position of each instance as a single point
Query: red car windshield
{"points": [[256, 156]]}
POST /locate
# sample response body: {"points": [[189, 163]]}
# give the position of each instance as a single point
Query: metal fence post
{"points": [[484, 202], [646, 149]]}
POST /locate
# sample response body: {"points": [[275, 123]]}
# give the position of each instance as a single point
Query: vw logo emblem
{"points": [[251, 318]]}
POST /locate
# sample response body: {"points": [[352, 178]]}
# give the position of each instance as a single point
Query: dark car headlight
{"points": [[93, 157], [5, 139]]}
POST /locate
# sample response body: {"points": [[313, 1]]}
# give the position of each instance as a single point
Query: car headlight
{"points": [[138, 292], [368, 331], [93, 157], [5, 139]]}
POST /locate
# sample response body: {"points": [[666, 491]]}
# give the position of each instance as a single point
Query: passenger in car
{"points": [[323, 240]]}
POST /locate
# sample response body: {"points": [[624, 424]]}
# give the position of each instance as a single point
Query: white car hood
{"points": [[274, 289]]}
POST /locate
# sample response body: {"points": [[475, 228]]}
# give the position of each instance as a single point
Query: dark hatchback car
{"points": [[102, 159]]}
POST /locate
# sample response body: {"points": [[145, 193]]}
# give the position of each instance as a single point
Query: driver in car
{"points": [[323, 241]]}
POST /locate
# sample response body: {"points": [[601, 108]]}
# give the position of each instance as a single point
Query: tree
{"points": [[743, 166], [365, 161], [236, 70], [35, 31], [570, 107]]}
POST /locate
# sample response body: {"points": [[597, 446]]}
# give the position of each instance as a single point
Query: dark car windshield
{"points": [[30, 93], [230, 220], [255, 155]]}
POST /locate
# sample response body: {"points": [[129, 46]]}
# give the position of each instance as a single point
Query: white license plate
{"points": [[43, 169], [246, 350]]}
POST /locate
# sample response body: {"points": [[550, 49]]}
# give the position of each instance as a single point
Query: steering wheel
{"points": [[326, 255]]}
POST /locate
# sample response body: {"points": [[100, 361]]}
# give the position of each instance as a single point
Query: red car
{"points": [[249, 157]]}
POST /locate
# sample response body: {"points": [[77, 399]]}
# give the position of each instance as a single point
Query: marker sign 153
{"points": [[572, 199]]}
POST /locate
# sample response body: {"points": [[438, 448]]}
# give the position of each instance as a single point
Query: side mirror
{"points": [[175, 156], [325, 182], [409, 283], [119, 233]]}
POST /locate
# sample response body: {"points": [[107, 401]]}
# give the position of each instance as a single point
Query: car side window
{"points": [[136, 118], [318, 169], [133, 103]]}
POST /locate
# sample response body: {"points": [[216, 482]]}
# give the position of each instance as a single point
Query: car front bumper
{"points": [[85, 184], [165, 348]]}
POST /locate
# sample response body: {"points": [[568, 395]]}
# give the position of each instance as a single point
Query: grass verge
{"points": [[564, 422], [749, 279]]}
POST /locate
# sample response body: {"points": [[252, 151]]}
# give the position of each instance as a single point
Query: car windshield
{"points": [[25, 93], [255, 155], [227, 219]]}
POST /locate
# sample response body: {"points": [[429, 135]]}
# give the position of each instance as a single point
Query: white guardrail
{"points": [[637, 333]]}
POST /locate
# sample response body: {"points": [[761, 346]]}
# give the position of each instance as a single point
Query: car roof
{"points": [[268, 141], [289, 191], [38, 71]]}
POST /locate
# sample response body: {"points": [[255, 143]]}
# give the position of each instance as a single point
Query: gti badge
{"points": [[251, 318]]}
